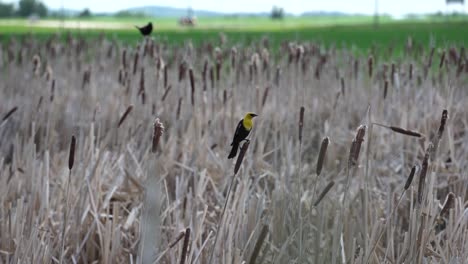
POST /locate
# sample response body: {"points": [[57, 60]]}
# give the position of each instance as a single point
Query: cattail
{"points": [[356, 146], [299, 53], [240, 158], [135, 62], [166, 93], [385, 89], [142, 81], [158, 130], [448, 204], [442, 59], [212, 80], [277, 76], [179, 106], [182, 70], [71, 157], [178, 238], [323, 193], [185, 246], [192, 86], [165, 76], [39, 103], [36, 64], [370, 63], [233, 57], [401, 130], [9, 113], [423, 173], [443, 122], [125, 114], [124, 58], [265, 55], [52, 90], [410, 71], [356, 68], [218, 70], [265, 95], [258, 244], [204, 72], [321, 157], [301, 122], [431, 55], [392, 74], [342, 85], [410, 178]]}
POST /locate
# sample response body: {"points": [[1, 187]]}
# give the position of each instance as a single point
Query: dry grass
{"points": [[133, 198]]}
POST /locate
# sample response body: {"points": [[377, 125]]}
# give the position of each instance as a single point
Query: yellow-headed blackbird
{"points": [[146, 30], [242, 131]]}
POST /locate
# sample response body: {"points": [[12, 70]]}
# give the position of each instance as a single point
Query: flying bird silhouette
{"points": [[146, 30]]}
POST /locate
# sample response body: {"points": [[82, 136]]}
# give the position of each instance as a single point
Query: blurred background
{"points": [[361, 22]]}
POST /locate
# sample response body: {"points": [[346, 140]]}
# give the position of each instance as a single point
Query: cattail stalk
{"points": [[166, 93], [240, 158], [401, 130], [301, 122]]}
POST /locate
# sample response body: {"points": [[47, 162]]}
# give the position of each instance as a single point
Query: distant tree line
{"points": [[25, 8]]}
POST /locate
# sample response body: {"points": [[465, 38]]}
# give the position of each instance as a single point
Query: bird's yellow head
{"points": [[247, 122], [250, 115]]}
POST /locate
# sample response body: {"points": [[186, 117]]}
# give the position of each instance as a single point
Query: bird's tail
{"points": [[233, 152]]}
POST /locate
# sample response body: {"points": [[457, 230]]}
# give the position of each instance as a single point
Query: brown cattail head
{"points": [[410, 75], [443, 122], [258, 244], [356, 146], [265, 95], [218, 70], [385, 91], [370, 65], [277, 76], [410, 178], [52, 90], [166, 92], [392, 74], [321, 157], [142, 81], [442, 59], [423, 173], [233, 57], [342, 86], [71, 157], [448, 204], [36, 64], [240, 158], [192, 86], [324, 192], [431, 55], [182, 70], [165, 76], [135, 62], [185, 247], [301, 122], [299, 53], [179, 108], [125, 114], [9, 113], [158, 130], [204, 72], [405, 131]]}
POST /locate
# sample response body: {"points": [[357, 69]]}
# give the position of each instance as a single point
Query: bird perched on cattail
{"points": [[242, 131], [146, 30]]}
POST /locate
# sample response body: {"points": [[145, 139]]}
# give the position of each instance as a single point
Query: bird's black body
{"points": [[240, 134], [146, 30]]}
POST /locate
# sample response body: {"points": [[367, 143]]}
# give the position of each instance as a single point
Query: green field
{"points": [[357, 32]]}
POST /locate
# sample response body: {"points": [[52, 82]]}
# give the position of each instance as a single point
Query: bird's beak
{"points": [[253, 115]]}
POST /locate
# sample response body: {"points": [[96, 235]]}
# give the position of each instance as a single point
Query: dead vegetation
{"points": [[325, 179]]}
